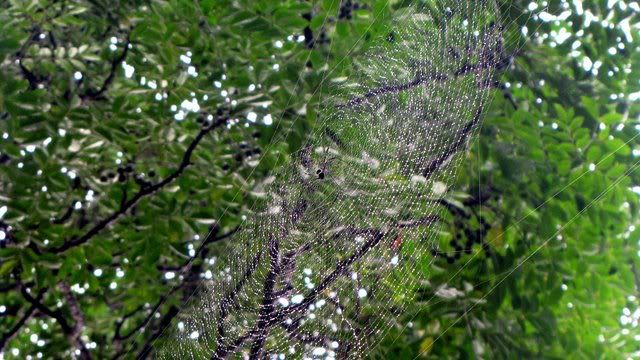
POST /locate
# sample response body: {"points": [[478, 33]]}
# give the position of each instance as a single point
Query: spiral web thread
{"points": [[337, 239]]}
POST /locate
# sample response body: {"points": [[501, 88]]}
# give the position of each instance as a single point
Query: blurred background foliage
{"points": [[131, 129]]}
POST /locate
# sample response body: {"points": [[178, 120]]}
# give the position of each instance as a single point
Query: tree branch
{"points": [[211, 238], [421, 79], [435, 164], [273, 317], [143, 192], [145, 321], [636, 276], [120, 322], [92, 94], [228, 299], [32, 78], [266, 308], [70, 331], [269, 316], [295, 333], [66, 216], [8, 287], [5, 338], [78, 318], [166, 321], [342, 267]]}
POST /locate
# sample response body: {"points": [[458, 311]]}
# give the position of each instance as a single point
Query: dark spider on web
{"points": [[321, 172]]}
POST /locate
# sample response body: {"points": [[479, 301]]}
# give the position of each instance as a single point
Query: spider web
{"points": [[336, 242]]}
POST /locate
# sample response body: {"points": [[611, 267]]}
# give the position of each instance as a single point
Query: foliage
{"points": [[550, 187], [111, 178]]}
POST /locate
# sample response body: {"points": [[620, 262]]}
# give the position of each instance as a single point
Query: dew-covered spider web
{"points": [[335, 243]]}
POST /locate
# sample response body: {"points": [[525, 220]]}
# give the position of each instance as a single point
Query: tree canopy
{"points": [[136, 136]]}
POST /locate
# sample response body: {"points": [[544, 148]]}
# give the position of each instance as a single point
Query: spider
{"points": [[322, 170]]}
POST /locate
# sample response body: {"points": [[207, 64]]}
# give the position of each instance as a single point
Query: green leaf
{"points": [[7, 266]]}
